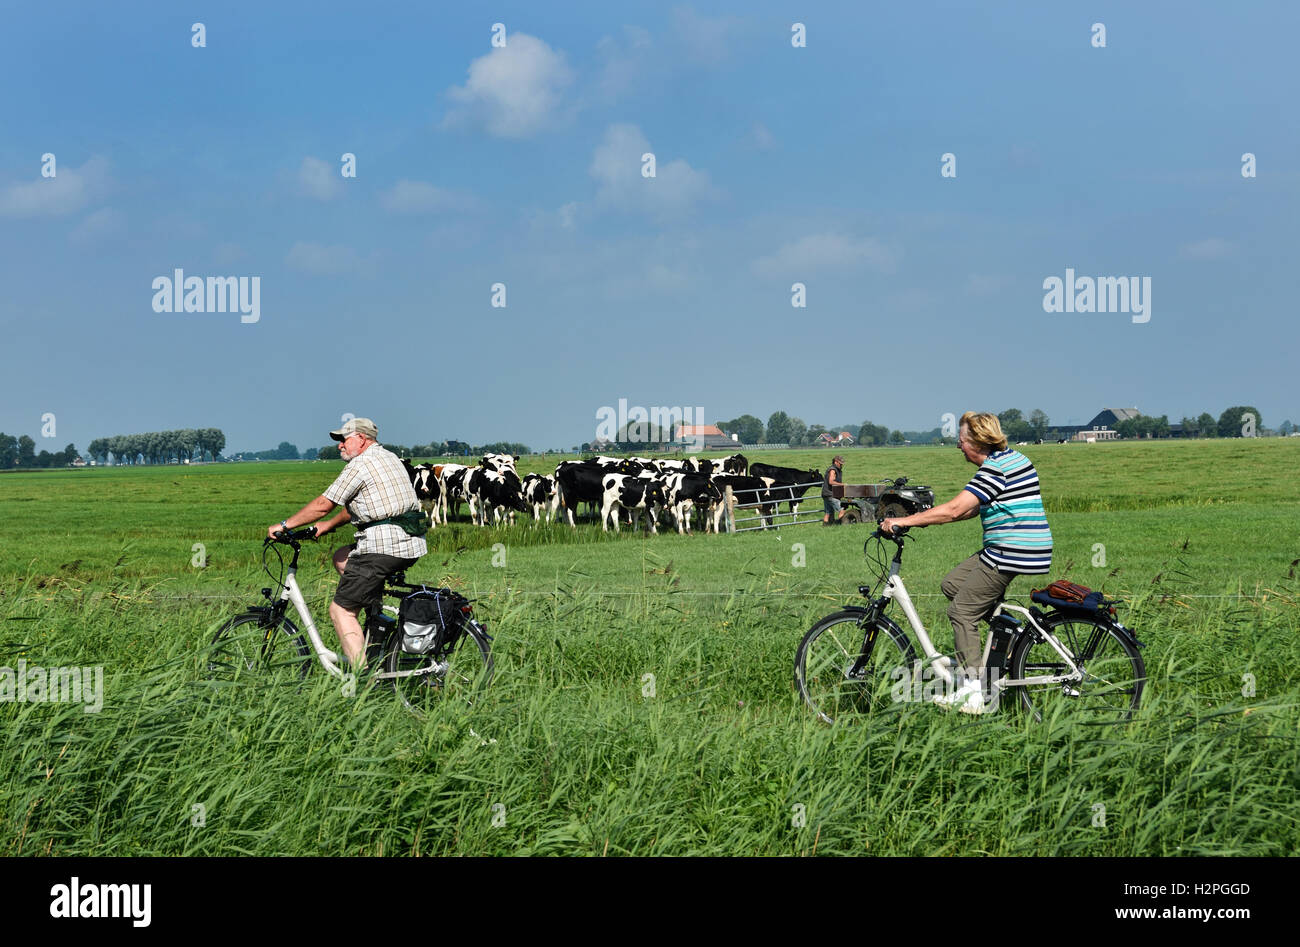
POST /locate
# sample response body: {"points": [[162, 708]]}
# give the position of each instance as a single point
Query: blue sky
{"points": [[521, 165]]}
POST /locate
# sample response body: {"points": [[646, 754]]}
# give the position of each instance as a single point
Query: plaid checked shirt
{"points": [[371, 487]]}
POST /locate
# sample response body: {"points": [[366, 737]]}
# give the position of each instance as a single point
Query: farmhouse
{"points": [[702, 437], [1100, 428]]}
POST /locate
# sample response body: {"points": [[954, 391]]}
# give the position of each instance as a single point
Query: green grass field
{"points": [[567, 755]]}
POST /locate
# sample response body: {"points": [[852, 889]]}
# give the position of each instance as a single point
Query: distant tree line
{"points": [[781, 428], [448, 448], [159, 447], [21, 452], [285, 451], [1237, 421]]}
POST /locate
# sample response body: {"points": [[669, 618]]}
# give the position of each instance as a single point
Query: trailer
{"points": [[872, 502], [865, 503]]}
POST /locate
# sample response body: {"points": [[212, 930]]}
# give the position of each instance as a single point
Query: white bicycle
{"points": [[264, 639], [857, 659]]}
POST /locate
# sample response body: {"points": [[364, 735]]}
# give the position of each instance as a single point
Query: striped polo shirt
{"points": [[1016, 537]]}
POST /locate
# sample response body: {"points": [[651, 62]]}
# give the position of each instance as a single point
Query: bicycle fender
{"points": [[1128, 633], [264, 614]]}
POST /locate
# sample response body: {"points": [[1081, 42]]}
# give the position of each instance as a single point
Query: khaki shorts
{"points": [[363, 579]]}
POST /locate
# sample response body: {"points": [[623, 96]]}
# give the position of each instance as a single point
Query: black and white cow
{"points": [[735, 464], [499, 463], [487, 490], [684, 490], [451, 479], [540, 494], [427, 488], [579, 481], [679, 466], [747, 490], [634, 494], [788, 484]]}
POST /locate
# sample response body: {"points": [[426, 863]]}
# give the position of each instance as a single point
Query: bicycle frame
{"points": [[328, 659], [896, 591], [292, 593]]}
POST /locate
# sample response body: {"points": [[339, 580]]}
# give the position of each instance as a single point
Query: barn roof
{"points": [[1123, 414]]}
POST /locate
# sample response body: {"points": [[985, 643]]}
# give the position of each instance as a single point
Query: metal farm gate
{"points": [[734, 500]]}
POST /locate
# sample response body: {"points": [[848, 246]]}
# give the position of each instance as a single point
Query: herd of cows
{"points": [[613, 486]]}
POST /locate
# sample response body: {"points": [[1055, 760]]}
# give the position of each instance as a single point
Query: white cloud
{"points": [[1211, 248], [514, 91], [546, 226], [827, 250], [320, 260], [705, 39], [420, 197], [634, 57], [67, 192], [623, 61], [616, 166], [667, 278], [319, 179], [97, 227]]}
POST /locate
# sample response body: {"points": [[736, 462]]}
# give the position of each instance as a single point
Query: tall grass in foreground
{"points": [[567, 753]]}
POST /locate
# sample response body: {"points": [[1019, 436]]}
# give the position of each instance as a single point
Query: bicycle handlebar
{"points": [[291, 537], [897, 535]]}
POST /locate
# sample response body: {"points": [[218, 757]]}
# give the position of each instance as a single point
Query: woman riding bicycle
{"points": [[1017, 541]]}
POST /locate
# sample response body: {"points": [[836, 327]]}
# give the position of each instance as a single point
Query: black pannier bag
{"points": [[431, 620]]}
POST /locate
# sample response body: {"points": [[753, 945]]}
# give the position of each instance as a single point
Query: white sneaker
{"points": [[960, 697], [974, 703]]}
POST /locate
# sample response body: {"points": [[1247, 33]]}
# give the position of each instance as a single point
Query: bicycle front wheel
{"points": [[458, 673], [836, 674], [252, 643], [1113, 671]]}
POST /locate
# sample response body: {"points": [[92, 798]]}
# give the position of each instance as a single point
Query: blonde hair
{"points": [[985, 430]]}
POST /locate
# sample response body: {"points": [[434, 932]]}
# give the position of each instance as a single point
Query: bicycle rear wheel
{"points": [[1114, 672], [457, 674], [831, 679], [252, 643]]}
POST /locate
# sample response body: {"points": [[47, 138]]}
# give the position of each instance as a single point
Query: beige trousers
{"points": [[973, 590]]}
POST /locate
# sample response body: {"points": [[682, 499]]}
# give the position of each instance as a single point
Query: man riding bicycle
{"points": [[1017, 541], [376, 494]]}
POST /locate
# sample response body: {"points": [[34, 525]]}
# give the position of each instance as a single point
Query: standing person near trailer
{"points": [[376, 494], [1017, 541], [834, 478]]}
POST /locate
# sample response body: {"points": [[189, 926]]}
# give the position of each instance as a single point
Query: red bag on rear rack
{"points": [[1069, 596]]}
